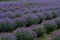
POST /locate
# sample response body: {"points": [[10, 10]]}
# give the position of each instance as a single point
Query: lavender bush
{"points": [[49, 15], [58, 11], [31, 19], [1, 21], [2, 15], [8, 25], [55, 35], [24, 34], [39, 29], [41, 16], [7, 36], [19, 14], [47, 9], [57, 20], [20, 22], [35, 10], [50, 25], [30, 5], [55, 14], [27, 11], [11, 15]]}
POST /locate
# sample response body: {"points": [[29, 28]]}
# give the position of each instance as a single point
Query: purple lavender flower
{"points": [[31, 19], [49, 15], [24, 34], [2, 15], [50, 25], [7, 36], [41, 16], [55, 14], [57, 20], [19, 14], [27, 11], [8, 25], [1, 21], [35, 10], [10, 14], [55, 35], [39, 29], [29, 5], [20, 22], [58, 12]]}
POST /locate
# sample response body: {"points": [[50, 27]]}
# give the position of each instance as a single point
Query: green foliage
{"points": [[24, 34], [39, 29], [3, 0], [55, 35], [7, 36], [20, 22], [8, 25], [31, 19], [50, 25]]}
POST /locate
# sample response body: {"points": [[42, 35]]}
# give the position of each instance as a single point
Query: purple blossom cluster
{"points": [[15, 16], [24, 34], [50, 25], [24, 14], [20, 22], [18, 9], [57, 20], [48, 14], [2, 15], [7, 36], [10, 14], [55, 35], [55, 13], [41, 16], [39, 29], [7, 25], [31, 19], [58, 12]]}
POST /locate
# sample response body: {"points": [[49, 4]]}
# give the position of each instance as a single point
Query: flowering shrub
{"points": [[10, 15], [18, 14], [30, 5], [49, 15], [8, 25], [31, 19], [11, 6], [39, 29], [50, 25], [2, 15], [27, 11], [24, 34], [1, 21], [55, 14], [55, 35], [7, 36], [58, 12], [47, 9], [41, 16], [57, 20], [20, 22], [35, 10]]}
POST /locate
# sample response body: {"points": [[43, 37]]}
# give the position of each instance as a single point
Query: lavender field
{"points": [[29, 20]]}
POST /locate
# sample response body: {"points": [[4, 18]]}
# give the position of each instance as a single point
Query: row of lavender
{"points": [[18, 9], [30, 33], [9, 36], [27, 6], [17, 14], [15, 19], [8, 24]]}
